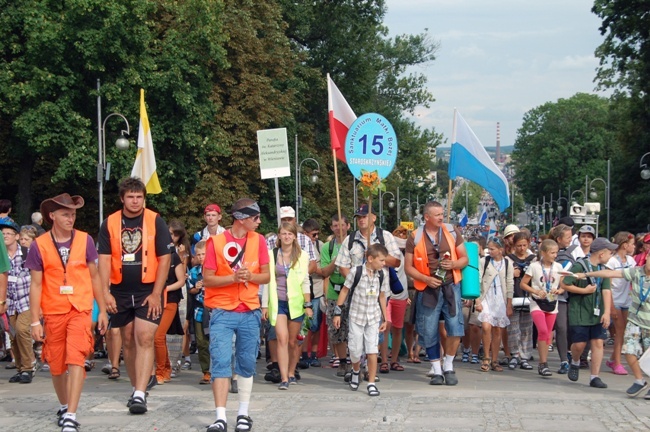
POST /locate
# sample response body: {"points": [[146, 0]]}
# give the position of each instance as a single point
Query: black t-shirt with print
{"points": [[132, 244]]}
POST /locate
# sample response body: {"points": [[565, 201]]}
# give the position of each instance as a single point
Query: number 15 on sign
{"points": [[371, 144]]}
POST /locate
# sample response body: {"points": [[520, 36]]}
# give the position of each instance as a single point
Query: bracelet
{"points": [[337, 310], [307, 305], [35, 324]]}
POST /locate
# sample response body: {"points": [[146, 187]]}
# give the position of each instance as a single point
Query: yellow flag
{"points": [[145, 161]]}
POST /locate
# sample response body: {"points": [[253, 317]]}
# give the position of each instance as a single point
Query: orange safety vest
{"points": [[228, 297], [421, 259], [149, 258], [77, 275]]}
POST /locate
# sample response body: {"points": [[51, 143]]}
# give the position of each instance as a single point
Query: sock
{"points": [[245, 386], [449, 363], [304, 356], [639, 382], [575, 362], [466, 350], [313, 354], [221, 413], [437, 369], [188, 359], [64, 407], [138, 393], [355, 376], [70, 415], [591, 377]]}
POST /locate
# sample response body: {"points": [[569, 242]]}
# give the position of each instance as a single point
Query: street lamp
{"points": [[399, 209], [313, 178], [122, 143], [645, 171], [573, 200], [559, 205], [594, 195], [391, 204]]}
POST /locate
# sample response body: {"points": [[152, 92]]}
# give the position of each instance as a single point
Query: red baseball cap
{"points": [[646, 238], [211, 208]]}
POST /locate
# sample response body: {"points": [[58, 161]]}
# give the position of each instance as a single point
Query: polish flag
{"points": [[341, 118]]}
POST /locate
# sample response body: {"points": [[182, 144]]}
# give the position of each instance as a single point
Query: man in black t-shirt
{"points": [[134, 259]]}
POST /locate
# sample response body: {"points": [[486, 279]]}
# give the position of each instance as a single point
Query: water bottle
{"points": [[441, 273]]}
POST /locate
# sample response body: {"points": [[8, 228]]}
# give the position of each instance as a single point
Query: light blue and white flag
{"points": [[483, 218], [462, 218], [493, 229], [470, 161]]}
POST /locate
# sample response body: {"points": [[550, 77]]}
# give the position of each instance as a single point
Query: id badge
{"points": [[66, 290], [13, 279], [597, 311], [337, 287], [129, 258]]}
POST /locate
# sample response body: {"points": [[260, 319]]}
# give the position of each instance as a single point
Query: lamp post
{"points": [[593, 194], [391, 204], [313, 178], [122, 143], [399, 209], [559, 205], [645, 171], [573, 200]]}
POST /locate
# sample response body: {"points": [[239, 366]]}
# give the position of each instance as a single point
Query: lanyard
{"points": [[548, 278], [599, 281], [286, 267], [498, 269], [58, 252], [436, 246], [642, 295]]}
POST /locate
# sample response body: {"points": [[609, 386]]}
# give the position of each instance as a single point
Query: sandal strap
{"points": [[217, 426]]}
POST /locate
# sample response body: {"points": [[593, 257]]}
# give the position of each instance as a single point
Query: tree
{"points": [[559, 143]]}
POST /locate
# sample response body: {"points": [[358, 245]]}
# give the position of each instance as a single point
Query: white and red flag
{"points": [[341, 118]]}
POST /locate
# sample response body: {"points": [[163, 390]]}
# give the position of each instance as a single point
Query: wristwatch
{"points": [[337, 310], [306, 305]]}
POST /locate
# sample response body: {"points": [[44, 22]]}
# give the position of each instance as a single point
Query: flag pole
{"points": [[338, 196], [449, 194]]}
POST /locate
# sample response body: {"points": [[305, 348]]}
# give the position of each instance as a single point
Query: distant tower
{"points": [[498, 144]]}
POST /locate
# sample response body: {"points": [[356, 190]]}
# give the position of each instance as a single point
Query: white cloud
{"points": [[578, 62]]}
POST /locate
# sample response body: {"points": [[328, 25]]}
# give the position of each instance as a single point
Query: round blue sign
{"points": [[371, 144]]}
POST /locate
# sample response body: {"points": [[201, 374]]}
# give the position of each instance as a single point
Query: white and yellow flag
{"points": [[145, 161]]}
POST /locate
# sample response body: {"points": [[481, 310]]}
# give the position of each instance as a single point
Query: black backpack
{"points": [[357, 278], [396, 286]]}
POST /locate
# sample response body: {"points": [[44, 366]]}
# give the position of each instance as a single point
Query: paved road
{"points": [[509, 401]]}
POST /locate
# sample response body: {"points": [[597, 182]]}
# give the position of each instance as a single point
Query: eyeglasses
{"points": [[254, 218]]}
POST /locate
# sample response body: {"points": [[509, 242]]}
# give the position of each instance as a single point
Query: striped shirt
{"points": [[18, 286], [304, 242]]}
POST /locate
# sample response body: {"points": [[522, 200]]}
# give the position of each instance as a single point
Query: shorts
{"points": [[340, 335], [396, 311], [473, 316], [68, 340], [129, 307], [246, 327], [410, 307], [362, 338], [317, 318], [427, 319], [636, 340], [283, 309], [586, 333]]}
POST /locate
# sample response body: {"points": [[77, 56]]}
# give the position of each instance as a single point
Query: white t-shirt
{"points": [[621, 287], [538, 280]]}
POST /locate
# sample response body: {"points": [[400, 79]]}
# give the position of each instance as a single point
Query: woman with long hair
{"points": [[170, 321], [286, 299]]}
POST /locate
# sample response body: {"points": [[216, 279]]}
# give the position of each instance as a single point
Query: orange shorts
{"points": [[68, 340]]}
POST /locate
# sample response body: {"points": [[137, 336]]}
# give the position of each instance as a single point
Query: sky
{"points": [[499, 59]]}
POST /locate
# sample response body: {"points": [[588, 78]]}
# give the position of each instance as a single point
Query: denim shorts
{"points": [[246, 326], [427, 319], [283, 309], [317, 318]]}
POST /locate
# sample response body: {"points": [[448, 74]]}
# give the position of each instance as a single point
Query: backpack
{"points": [[357, 278], [487, 262], [396, 286]]}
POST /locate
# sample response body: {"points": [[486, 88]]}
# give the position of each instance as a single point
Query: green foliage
{"points": [[559, 143], [475, 192]]}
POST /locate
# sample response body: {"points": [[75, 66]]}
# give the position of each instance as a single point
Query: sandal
{"points": [[218, 426], [383, 368], [69, 425], [465, 358], [410, 360], [354, 385], [417, 360], [115, 373], [244, 423], [373, 390], [485, 366], [394, 366], [496, 367], [525, 365]]}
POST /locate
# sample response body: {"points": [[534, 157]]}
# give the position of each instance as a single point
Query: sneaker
{"points": [[45, 367], [293, 380], [284, 385], [437, 380], [206, 378], [106, 369], [314, 362], [138, 405], [474, 359], [341, 370], [514, 361], [273, 376], [597, 383], [303, 364], [636, 389], [187, 365], [550, 347], [564, 368], [574, 372], [69, 425], [25, 378], [297, 375], [11, 365]]}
